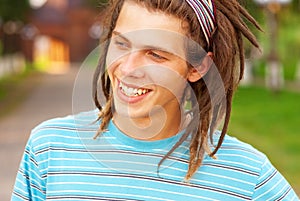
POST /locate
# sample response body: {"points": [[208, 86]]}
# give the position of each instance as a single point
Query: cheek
{"points": [[112, 75], [113, 55], [111, 71], [169, 78], [180, 66], [111, 65], [181, 69], [109, 58]]}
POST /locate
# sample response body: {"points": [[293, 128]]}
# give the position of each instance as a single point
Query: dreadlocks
{"points": [[226, 43]]}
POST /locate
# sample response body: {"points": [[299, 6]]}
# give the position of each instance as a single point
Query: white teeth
{"points": [[140, 91], [128, 91]]}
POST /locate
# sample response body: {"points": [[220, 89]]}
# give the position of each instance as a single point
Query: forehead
{"points": [[143, 27], [136, 16]]}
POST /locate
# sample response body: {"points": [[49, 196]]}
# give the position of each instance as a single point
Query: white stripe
{"points": [[180, 178], [132, 187], [56, 135], [162, 174], [239, 164], [107, 194], [121, 162], [79, 146], [267, 174], [26, 194], [270, 189], [283, 189], [241, 148], [241, 156], [225, 177], [128, 171], [29, 164]]}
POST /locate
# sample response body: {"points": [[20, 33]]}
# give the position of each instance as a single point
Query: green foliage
{"points": [[288, 44], [14, 9], [295, 6], [254, 10], [97, 4], [270, 122]]}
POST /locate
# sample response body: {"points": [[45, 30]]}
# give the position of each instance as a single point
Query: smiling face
{"points": [[146, 65]]}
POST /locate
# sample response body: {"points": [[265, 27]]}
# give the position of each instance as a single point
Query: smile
{"points": [[132, 92]]}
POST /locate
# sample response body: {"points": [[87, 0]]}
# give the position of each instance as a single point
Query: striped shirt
{"points": [[62, 162]]}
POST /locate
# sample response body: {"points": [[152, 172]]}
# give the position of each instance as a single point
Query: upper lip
{"points": [[142, 86]]}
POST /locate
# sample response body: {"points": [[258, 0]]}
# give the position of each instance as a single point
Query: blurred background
{"points": [[44, 42]]}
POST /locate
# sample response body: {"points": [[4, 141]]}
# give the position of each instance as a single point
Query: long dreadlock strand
{"points": [[237, 21], [226, 121], [246, 14], [214, 122], [241, 54], [105, 115], [198, 146]]}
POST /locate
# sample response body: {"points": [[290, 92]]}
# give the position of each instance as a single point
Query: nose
{"points": [[130, 64]]}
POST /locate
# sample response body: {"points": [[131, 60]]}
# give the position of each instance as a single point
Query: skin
{"points": [[154, 62]]}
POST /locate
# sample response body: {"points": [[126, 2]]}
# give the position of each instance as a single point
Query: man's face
{"points": [[146, 62]]}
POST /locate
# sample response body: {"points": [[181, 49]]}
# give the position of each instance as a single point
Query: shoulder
{"points": [[242, 171], [234, 147], [237, 159], [63, 129]]}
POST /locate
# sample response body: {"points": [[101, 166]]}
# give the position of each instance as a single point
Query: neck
{"points": [[157, 126]]}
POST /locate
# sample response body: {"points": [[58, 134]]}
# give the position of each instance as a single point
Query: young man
{"points": [[156, 138]]}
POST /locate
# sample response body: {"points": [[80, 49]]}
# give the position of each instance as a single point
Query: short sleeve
{"points": [[271, 185], [29, 184]]}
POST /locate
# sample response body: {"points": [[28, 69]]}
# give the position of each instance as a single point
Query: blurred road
{"points": [[52, 98]]}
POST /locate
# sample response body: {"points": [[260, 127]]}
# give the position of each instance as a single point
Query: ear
{"points": [[197, 72]]}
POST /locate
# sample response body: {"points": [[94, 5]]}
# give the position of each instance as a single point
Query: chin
{"points": [[128, 112]]}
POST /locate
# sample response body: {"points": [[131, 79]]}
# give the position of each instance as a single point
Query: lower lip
{"points": [[131, 99]]}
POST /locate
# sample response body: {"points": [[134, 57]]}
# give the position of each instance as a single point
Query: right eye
{"points": [[121, 45]]}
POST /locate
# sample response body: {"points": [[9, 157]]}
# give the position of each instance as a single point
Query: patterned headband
{"points": [[205, 11]]}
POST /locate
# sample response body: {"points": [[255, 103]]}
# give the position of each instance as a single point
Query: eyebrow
{"points": [[151, 47], [120, 35]]}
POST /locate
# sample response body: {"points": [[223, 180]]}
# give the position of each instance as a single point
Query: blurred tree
{"points": [[13, 14], [296, 5], [14, 10], [253, 9], [96, 3]]}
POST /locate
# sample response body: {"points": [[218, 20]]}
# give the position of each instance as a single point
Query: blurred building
{"points": [[61, 33]]}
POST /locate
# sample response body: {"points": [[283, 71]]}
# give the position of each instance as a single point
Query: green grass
{"points": [[271, 123]]}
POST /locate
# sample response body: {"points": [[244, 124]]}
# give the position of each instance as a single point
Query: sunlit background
{"points": [[49, 39], [47, 34]]}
